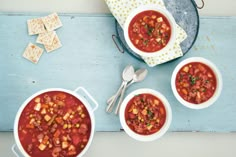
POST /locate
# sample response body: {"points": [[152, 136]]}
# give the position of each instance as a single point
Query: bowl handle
{"points": [[89, 95], [15, 150]]}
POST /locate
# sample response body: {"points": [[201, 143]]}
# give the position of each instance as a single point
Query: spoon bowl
{"points": [[138, 76]]}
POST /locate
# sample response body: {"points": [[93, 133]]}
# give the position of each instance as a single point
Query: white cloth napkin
{"points": [[121, 9]]}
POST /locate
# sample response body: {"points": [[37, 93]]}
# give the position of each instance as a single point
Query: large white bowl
{"points": [[219, 83], [74, 93], [143, 8], [153, 136]]}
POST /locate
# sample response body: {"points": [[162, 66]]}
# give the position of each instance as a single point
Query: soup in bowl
{"points": [[149, 29], [145, 114], [54, 123], [196, 83]]}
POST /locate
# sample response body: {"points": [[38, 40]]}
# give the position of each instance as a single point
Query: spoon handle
{"points": [[121, 99], [113, 96], [113, 102]]}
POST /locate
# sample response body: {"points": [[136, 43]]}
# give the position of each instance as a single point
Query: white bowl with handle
{"points": [[18, 148]]}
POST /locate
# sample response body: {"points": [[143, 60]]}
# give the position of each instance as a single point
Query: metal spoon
{"points": [[134, 78], [127, 75], [139, 76]]}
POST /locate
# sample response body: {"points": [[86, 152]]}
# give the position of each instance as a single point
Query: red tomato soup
{"points": [[195, 82], [149, 31], [54, 124], [145, 114]]}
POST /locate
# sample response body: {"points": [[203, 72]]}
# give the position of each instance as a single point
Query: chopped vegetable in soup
{"points": [[149, 31], [145, 114], [195, 82], [54, 124]]}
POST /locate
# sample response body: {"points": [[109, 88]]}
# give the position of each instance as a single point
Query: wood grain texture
{"points": [[89, 58]]}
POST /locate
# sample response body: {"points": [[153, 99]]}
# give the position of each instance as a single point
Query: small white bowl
{"points": [[155, 135], [219, 83], [143, 8]]}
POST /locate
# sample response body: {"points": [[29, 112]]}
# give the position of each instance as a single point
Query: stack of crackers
{"points": [[45, 28]]}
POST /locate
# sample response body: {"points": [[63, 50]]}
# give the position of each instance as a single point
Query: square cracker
{"points": [[52, 22], [33, 53], [46, 38], [35, 26], [55, 44]]}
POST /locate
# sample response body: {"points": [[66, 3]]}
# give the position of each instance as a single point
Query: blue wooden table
{"points": [[89, 58]]}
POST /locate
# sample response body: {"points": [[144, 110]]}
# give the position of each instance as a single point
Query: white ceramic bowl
{"points": [[218, 89], [74, 93], [143, 8], [155, 135]]}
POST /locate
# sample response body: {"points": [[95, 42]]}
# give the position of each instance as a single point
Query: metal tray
{"points": [[186, 15]]}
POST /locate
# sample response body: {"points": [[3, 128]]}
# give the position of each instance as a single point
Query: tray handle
{"points": [[116, 39], [124, 48], [78, 89], [197, 6]]}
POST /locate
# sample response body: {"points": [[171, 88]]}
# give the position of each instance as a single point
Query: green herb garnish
{"points": [[150, 113], [145, 42], [142, 100], [149, 30], [192, 80]]}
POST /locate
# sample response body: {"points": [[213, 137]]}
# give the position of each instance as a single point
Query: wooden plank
{"points": [[90, 59]]}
